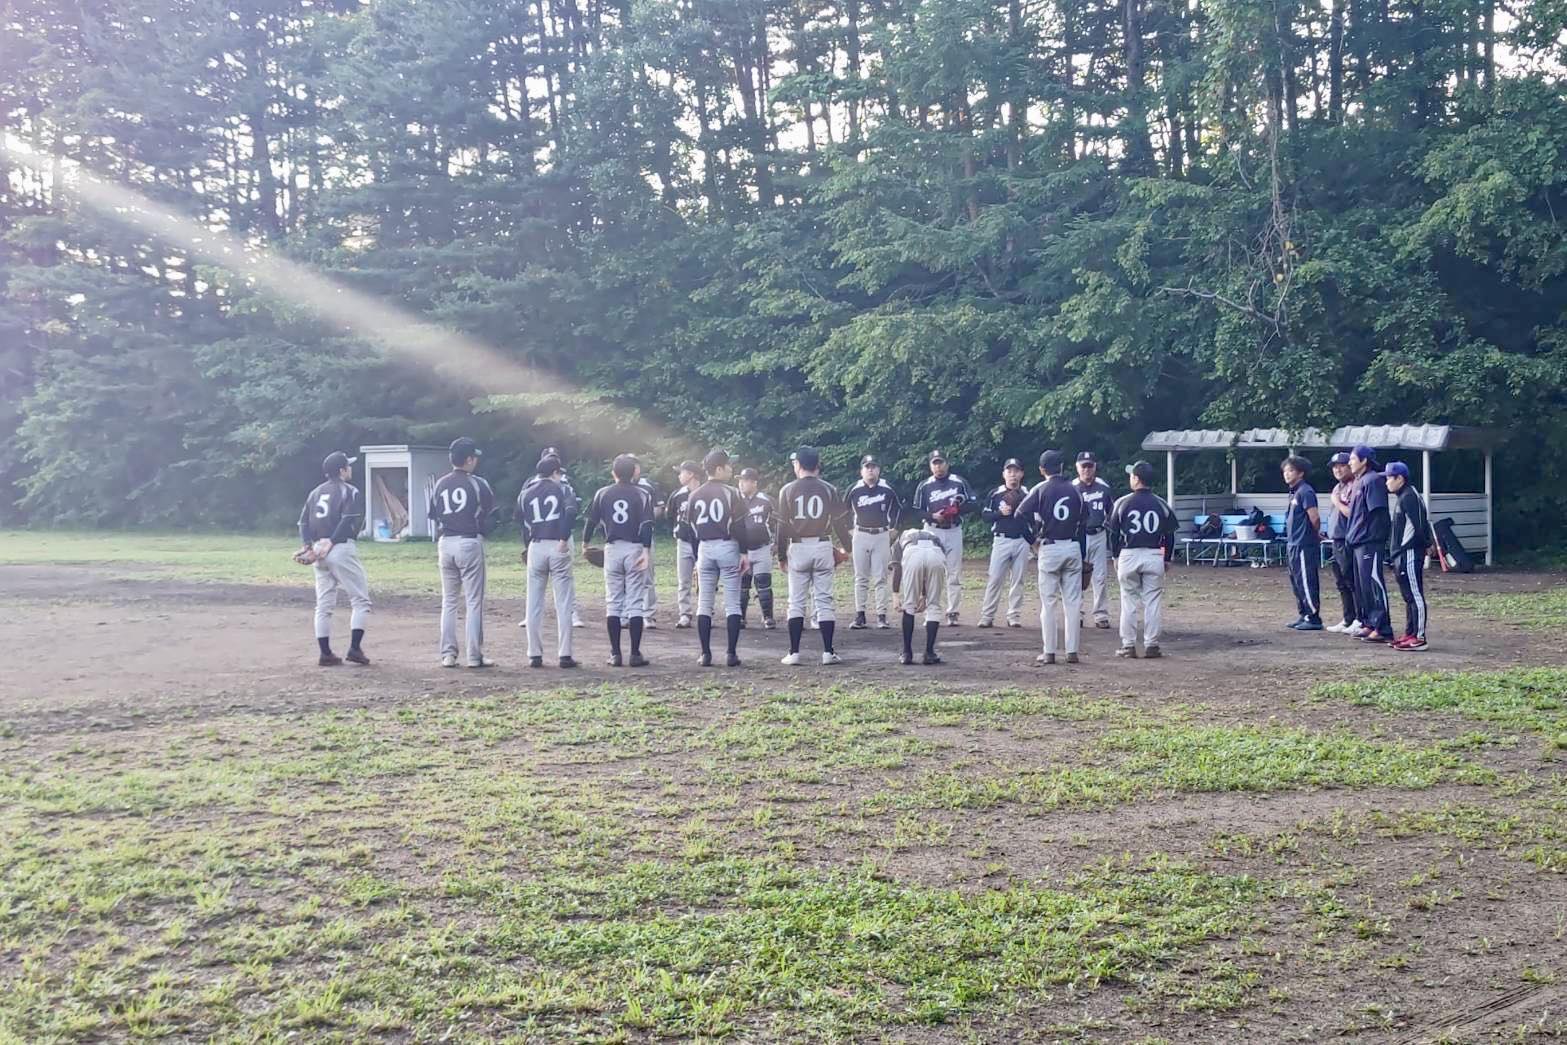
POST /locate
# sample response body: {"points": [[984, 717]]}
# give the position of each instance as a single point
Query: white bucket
{"points": [[1245, 533]]}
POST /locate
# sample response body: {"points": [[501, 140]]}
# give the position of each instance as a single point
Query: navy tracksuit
{"points": [[1343, 562], [1305, 555], [1410, 537], [1367, 535]]}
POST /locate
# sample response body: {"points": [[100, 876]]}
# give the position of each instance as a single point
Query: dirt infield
{"points": [[210, 836]]}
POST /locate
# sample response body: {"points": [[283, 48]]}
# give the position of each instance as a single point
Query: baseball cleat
{"points": [[449, 661], [705, 660], [1071, 658], [576, 619], [523, 623], [329, 660], [614, 660], [535, 662], [905, 658], [733, 660], [1296, 623], [650, 622], [568, 662], [1309, 625], [1014, 624], [881, 622], [638, 661], [790, 659], [1102, 624], [357, 656], [985, 624], [952, 620], [768, 624], [1413, 644], [1129, 652], [1151, 653], [482, 662], [931, 658], [684, 621], [1045, 658], [829, 657], [859, 623]]}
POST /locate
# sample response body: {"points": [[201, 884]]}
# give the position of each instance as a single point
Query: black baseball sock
{"points": [[745, 593], [827, 627], [612, 625], [704, 633], [734, 632], [796, 629], [357, 637], [908, 633], [636, 636], [326, 646], [931, 627]]}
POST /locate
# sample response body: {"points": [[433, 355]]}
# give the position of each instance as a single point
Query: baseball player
{"points": [[547, 510], [1058, 508], [463, 507], [919, 576], [691, 476], [811, 512], [877, 510], [1343, 562], [1303, 541], [1141, 531], [717, 514], [1096, 502], [1012, 539], [1367, 534], [1410, 535], [941, 501], [650, 610], [760, 531], [333, 513], [553, 451], [625, 511]]}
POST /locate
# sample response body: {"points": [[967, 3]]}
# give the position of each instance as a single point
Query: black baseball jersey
{"points": [[676, 508], [812, 507], [1014, 525], [461, 505], [1058, 507], [716, 512], [1096, 503], [759, 521], [1407, 522], [653, 492], [934, 495], [624, 510], [1141, 519], [547, 509], [1298, 531], [875, 507], [334, 509]]}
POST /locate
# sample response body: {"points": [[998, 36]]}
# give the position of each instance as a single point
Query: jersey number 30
{"points": [[1142, 522]]}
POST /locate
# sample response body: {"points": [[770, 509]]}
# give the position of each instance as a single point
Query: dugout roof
{"points": [[1386, 437]]}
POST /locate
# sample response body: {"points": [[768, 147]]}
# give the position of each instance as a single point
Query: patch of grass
{"points": [[1533, 609], [1528, 699]]}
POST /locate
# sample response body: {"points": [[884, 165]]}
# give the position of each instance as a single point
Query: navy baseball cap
{"points": [[869, 462], [937, 455], [1339, 458], [715, 459], [750, 473], [1012, 462], [1087, 457], [549, 464], [1398, 468], [689, 465], [1364, 452], [464, 448], [807, 457], [1051, 461], [1143, 470], [334, 461]]}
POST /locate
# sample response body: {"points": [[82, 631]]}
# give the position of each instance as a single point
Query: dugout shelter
{"points": [[1470, 511]]}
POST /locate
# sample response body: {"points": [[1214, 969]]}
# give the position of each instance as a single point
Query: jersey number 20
{"points": [[709, 511]]}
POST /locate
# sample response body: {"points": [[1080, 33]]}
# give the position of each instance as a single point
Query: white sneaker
{"points": [[1339, 627], [449, 661], [1355, 629], [790, 659], [831, 658], [576, 619], [523, 623]]}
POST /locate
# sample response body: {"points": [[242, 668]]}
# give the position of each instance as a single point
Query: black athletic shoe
{"points": [[931, 658], [1071, 658], [567, 662], [859, 623], [1151, 653], [705, 660], [329, 660], [733, 660], [357, 656], [881, 622], [535, 662], [905, 658], [614, 660], [638, 660]]}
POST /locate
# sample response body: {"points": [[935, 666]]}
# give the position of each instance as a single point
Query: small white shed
{"points": [[398, 480], [1470, 511]]}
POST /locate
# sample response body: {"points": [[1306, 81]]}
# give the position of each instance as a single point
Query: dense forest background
{"points": [[885, 225]]}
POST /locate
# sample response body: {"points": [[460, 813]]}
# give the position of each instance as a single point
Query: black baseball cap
{"points": [[335, 461], [867, 461], [1143, 470], [1012, 462], [689, 465], [1087, 457], [750, 473], [808, 457], [549, 464], [1051, 461], [464, 448], [937, 455], [715, 459]]}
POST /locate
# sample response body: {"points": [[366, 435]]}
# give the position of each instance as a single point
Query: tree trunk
{"points": [[1139, 149]]}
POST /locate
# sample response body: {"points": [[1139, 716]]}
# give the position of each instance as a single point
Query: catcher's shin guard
{"points": [[745, 594], [764, 595]]}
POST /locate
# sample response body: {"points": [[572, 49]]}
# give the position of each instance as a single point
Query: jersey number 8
{"points": [[620, 511]]}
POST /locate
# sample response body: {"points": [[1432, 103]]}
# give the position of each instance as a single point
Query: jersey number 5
{"points": [[323, 505]]}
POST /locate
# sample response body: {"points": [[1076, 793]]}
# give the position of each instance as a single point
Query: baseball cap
{"points": [[1143, 470], [549, 464], [808, 457], [1012, 462], [716, 458], [1398, 468], [464, 448], [750, 473], [1050, 461], [689, 465], [1087, 457], [937, 455], [867, 461], [335, 460], [1339, 458], [1364, 452]]}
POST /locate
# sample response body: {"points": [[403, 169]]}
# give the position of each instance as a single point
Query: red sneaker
{"points": [[1398, 643]]}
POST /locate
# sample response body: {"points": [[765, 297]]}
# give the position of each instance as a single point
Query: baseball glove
{"points": [[594, 554], [839, 556], [950, 512], [315, 553], [1088, 575]]}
